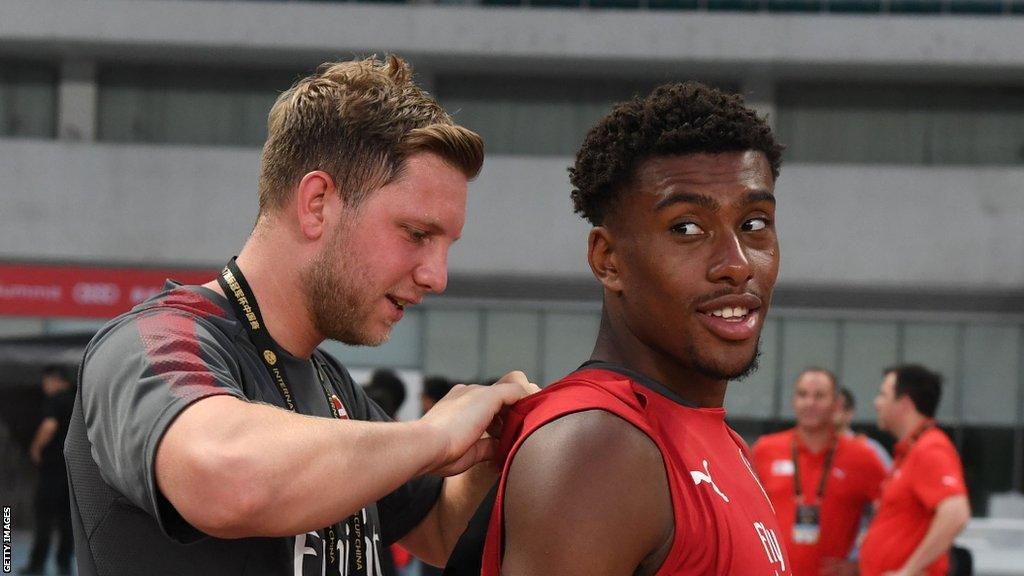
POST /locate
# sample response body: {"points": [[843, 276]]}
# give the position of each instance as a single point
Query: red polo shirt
{"points": [[926, 472], [853, 482]]}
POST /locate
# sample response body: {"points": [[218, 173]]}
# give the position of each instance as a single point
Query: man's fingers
{"points": [[482, 449], [514, 376], [511, 392]]}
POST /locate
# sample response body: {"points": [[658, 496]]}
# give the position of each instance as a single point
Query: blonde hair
{"points": [[358, 121]]}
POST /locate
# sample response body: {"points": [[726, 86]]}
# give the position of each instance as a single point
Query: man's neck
{"points": [[616, 344], [274, 282], [912, 423], [815, 439]]}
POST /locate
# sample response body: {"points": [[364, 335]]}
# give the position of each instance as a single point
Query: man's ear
{"points": [[603, 258], [315, 198]]}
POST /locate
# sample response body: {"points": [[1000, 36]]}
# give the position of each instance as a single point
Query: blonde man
{"points": [[207, 416]]}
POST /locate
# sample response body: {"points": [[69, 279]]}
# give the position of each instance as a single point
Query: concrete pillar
{"points": [[77, 102], [759, 93]]}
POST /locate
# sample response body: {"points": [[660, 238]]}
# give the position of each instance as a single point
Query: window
{"points": [[931, 125], [533, 116], [28, 100], [188, 106]]}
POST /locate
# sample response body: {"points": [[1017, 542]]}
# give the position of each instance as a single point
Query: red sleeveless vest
{"points": [[724, 523]]}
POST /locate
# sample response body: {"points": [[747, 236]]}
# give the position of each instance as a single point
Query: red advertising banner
{"points": [[83, 291]]}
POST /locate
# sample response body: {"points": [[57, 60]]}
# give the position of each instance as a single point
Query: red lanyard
{"points": [[902, 449]]}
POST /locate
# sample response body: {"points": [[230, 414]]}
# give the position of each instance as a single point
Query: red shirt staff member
{"points": [[924, 502], [819, 481]]}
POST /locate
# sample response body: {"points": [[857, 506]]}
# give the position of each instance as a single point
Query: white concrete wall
{"points": [[874, 226], [627, 42]]}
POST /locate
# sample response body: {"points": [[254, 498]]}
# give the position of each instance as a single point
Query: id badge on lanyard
{"points": [[807, 524], [807, 527]]}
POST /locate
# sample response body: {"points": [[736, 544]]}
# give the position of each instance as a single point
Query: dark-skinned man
{"points": [[626, 466]]}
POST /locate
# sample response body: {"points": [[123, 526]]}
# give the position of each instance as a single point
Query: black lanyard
{"points": [[235, 287], [824, 472]]}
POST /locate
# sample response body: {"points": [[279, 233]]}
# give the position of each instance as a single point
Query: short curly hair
{"points": [[679, 118]]}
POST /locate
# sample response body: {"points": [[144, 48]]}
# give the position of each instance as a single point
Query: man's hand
{"points": [[463, 416]]}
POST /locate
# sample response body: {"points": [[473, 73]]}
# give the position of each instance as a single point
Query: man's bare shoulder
{"points": [[590, 482]]}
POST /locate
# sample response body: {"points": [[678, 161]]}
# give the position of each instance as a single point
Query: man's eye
{"points": [[417, 235], [755, 224], [687, 229]]}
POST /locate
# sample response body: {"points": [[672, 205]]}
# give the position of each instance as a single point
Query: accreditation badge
{"points": [[807, 527]]}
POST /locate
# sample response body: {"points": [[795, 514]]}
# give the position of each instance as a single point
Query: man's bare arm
{"points": [[44, 434], [433, 539], [587, 495], [234, 469], [951, 516]]}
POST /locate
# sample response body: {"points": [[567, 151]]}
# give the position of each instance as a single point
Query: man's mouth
{"points": [[400, 303], [732, 317], [730, 314]]}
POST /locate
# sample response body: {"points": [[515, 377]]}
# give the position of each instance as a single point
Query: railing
{"points": [[899, 7]]}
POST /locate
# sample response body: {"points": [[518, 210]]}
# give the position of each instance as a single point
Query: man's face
{"points": [[886, 403], [387, 253], [52, 385], [698, 257], [814, 401]]}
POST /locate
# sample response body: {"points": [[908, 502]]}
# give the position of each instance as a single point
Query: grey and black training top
{"points": [[139, 372]]}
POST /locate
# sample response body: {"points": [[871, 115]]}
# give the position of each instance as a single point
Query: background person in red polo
{"points": [[820, 494], [924, 502]]}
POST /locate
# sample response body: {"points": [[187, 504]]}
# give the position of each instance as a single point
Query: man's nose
{"points": [[432, 274], [730, 263]]}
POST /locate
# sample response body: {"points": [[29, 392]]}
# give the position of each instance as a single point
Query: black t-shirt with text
{"points": [[139, 372]]}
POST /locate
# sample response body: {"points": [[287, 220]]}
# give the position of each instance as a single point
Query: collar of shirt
{"points": [[902, 447]]}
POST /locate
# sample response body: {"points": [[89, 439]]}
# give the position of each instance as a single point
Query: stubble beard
{"points": [[334, 303], [713, 370]]}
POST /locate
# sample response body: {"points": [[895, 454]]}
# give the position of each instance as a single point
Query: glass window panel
{"points": [[187, 106], [868, 348], [902, 124], [988, 467], [805, 343], [11, 326], [70, 326], [542, 116], [990, 374], [510, 343], [935, 345], [452, 346], [753, 397], [402, 350], [568, 342], [28, 99]]}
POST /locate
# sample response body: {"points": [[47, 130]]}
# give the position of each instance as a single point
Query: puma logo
{"points": [[705, 476]]}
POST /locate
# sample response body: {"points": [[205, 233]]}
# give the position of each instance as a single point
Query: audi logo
{"points": [[96, 293]]}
